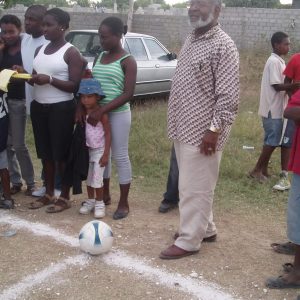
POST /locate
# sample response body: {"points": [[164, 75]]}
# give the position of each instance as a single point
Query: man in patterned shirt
{"points": [[202, 107]]}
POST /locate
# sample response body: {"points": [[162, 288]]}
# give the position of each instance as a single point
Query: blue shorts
{"points": [[273, 132], [293, 211]]}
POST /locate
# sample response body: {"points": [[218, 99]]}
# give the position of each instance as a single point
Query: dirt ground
{"points": [[239, 262]]}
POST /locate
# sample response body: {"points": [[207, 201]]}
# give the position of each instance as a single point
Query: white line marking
{"points": [[28, 282], [201, 289]]}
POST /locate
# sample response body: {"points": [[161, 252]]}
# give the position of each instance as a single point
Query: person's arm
{"points": [[75, 65], [130, 69], [288, 85], [227, 97], [106, 127]]}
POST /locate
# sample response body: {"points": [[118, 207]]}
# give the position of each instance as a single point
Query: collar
{"points": [[278, 57], [207, 35]]}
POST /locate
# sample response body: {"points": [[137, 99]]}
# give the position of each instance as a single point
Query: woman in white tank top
{"points": [[57, 69]]}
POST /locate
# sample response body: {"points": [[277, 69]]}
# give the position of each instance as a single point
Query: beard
{"points": [[200, 23]]}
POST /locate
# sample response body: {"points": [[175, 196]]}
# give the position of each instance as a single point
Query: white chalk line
{"points": [[201, 289], [30, 281]]}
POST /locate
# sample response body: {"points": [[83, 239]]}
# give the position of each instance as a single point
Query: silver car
{"points": [[155, 64]]}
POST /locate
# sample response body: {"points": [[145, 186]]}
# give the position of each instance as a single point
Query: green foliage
{"points": [[253, 3], [181, 5], [145, 3]]}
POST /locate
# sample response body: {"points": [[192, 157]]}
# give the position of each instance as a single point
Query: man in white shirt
{"points": [[273, 100], [31, 40]]}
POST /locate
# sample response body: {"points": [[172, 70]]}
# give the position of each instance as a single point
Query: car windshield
{"points": [[88, 44]]}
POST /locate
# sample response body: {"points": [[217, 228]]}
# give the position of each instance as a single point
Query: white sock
{"points": [[99, 203], [91, 201]]}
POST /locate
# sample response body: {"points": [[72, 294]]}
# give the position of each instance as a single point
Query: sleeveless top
{"points": [[53, 65], [111, 77], [94, 135]]}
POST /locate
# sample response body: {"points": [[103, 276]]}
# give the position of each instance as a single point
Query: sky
{"points": [[177, 1]]}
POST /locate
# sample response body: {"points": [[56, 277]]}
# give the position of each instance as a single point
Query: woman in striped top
{"points": [[116, 70]]}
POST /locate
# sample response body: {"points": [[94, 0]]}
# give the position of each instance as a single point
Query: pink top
{"points": [[94, 135]]}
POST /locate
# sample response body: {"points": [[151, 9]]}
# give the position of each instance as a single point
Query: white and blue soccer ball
{"points": [[96, 237]]}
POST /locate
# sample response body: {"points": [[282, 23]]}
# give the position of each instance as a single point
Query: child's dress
{"points": [[95, 141]]}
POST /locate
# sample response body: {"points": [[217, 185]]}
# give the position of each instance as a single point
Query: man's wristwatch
{"points": [[214, 129]]}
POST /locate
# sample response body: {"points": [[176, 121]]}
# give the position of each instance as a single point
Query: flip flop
{"points": [[287, 248], [287, 267], [60, 205], [42, 201], [280, 283]]}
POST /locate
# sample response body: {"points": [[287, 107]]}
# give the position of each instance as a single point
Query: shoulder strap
{"points": [[98, 57], [125, 56]]}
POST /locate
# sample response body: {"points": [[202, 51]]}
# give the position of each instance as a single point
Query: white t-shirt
{"points": [[28, 47], [270, 100]]}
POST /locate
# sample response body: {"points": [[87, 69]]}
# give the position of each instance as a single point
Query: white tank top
{"points": [[53, 65]]}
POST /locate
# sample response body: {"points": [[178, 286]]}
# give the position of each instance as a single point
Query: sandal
{"points": [[284, 248], [7, 203], [42, 201], [15, 189], [281, 283], [287, 267], [60, 205]]}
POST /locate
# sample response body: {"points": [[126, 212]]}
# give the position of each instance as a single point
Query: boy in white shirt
{"points": [[273, 100]]}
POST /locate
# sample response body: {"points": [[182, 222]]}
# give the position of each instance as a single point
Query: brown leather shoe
{"points": [[174, 252], [209, 239]]}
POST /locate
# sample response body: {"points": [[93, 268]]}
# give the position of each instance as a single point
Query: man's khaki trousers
{"points": [[198, 175]]}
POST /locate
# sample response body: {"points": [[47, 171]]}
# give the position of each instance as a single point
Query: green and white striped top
{"points": [[111, 77]]}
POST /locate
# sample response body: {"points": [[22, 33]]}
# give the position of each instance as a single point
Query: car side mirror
{"points": [[171, 56], [95, 50]]}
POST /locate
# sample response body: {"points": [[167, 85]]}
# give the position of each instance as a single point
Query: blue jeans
{"points": [[172, 195], [293, 211]]}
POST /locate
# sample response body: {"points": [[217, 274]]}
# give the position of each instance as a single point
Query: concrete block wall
{"points": [[249, 27]]}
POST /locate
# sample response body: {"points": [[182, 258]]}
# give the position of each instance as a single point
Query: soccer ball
{"points": [[95, 237]]}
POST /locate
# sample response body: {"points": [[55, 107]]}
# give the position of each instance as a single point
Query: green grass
{"points": [[150, 150]]}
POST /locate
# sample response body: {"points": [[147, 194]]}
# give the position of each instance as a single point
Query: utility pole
{"points": [[130, 16]]}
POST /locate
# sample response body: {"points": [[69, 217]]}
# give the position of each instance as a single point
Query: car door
{"points": [[145, 83], [163, 66]]}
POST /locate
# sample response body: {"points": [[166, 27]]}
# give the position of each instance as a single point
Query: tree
{"points": [[181, 5], [253, 3], [145, 3]]}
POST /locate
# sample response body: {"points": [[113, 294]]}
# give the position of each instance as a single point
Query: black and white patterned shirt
{"points": [[205, 89]]}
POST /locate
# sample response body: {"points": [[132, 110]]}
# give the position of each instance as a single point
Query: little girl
{"points": [[98, 140]]}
